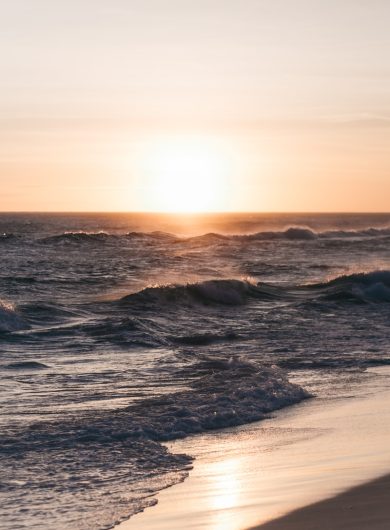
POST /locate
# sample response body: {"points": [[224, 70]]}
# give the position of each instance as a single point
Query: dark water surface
{"points": [[121, 331]]}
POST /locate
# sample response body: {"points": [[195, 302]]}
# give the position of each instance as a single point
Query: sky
{"points": [[225, 105]]}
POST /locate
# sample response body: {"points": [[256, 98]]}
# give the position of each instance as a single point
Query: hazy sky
{"points": [[295, 94]]}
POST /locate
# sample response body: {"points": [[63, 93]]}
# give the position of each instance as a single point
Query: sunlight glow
{"points": [[185, 175], [227, 494]]}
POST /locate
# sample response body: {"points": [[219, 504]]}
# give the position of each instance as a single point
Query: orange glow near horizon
{"points": [[271, 110]]}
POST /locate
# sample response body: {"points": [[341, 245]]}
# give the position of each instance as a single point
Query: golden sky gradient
{"points": [[245, 105]]}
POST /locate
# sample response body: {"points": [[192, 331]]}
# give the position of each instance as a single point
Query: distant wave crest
{"points": [[77, 237], [306, 233], [81, 237], [290, 233]]}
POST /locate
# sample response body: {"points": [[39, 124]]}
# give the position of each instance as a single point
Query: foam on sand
{"points": [[256, 473], [105, 466]]}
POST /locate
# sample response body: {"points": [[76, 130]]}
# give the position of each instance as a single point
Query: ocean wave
{"points": [[10, 320], [371, 286], [306, 233], [223, 292], [81, 237], [77, 237], [370, 232], [209, 238], [111, 463], [365, 278], [125, 332], [26, 365], [292, 233], [289, 233], [223, 392], [157, 235], [228, 392]]}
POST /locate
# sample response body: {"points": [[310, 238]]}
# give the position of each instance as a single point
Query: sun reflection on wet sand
{"points": [[227, 489], [249, 475]]}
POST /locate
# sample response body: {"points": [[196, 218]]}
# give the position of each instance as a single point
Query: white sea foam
{"points": [[9, 318], [97, 458]]}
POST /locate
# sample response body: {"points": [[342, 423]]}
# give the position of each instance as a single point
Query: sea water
{"points": [[119, 332]]}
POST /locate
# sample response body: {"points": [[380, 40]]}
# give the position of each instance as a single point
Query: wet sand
{"points": [[248, 476], [365, 507]]}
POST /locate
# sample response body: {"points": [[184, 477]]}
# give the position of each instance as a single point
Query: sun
{"points": [[184, 175]]}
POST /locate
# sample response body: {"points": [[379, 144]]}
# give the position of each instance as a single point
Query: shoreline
{"points": [[360, 508], [248, 476]]}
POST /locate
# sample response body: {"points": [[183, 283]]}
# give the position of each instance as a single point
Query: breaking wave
{"points": [[10, 320], [227, 393], [96, 458], [371, 286], [365, 287], [291, 233], [223, 292], [306, 233]]}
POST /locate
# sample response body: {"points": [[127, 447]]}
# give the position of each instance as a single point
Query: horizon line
{"points": [[215, 212]]}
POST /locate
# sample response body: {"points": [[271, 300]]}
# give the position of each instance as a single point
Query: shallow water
{"points": [[255, 473], [119, 332]]}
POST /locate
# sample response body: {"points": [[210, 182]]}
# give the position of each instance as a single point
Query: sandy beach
{"points": [[247, 477], [361, 508]]}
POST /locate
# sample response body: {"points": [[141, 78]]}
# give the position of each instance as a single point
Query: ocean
{"points": [[119, 332]]}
